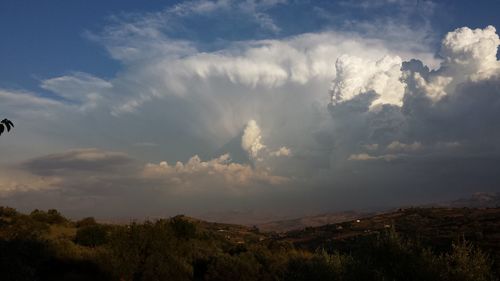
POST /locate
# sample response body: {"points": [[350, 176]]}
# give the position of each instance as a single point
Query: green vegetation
{"points": [[92, 235], [47, 246]]}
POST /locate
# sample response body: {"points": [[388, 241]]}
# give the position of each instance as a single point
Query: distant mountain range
{"points": [[312, 221], [477, 200]]}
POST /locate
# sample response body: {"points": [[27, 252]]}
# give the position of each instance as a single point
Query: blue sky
{"points": [[47, 38], [247, 110]]}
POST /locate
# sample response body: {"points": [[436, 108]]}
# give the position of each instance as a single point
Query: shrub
{"points": [[183, 228], [228, 268], [466, 263], [91, 236], [8, 212], [26, 228], [52, 216], [307, 267], [88, 221], [148, 251]]}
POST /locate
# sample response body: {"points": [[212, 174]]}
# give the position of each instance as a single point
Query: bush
{"points": [[391, 257], [88, 221], [26, 228], [91, 236], [183, 228], [8, 212], [22, 260], [305, 267], [177, 249], [149, 251], [52, 216], [228, 268], [466, 263]]}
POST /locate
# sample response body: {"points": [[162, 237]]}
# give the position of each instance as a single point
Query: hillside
{"points": [[409, 244], [476, 200], [435, 226], [311, 221]]}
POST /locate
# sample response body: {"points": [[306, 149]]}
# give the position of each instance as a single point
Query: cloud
{"points": [[183, 90], [361, 157], [145, 144], [113, 184], [153, 51], [282, 151], [367, 157], [196, 174], [198, 7], [88, 160], [251, 142], [468, 100], [254, 9], [17, 99], [215, 88], [19, 103], [398, 146], [434, 87], [218, 92], [443, 127], [373, 146], [172, 31], [472, 52], [14, 181], [366, 4], [355, 76], [468, 56], [74, 166], [81, 88], [251, 139]]}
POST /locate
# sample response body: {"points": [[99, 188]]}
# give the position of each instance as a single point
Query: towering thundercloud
{"points": [[6, 123]]}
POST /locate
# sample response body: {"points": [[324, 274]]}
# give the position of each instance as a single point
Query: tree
{"points": [[183, 228], [52, 216], [88, 221], [5, 124], [92, 235], [149, 251], [8, 212], [466, 263]]}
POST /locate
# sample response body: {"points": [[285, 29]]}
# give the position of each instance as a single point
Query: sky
{"points": [[247, 111]]}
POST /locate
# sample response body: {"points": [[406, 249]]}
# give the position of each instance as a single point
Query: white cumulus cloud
{"points": [[282, 151], [196, 173], [251, 139], [357, 76], [471, 51]]}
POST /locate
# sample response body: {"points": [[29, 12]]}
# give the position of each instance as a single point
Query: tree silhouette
{"points": [[6, 123]]}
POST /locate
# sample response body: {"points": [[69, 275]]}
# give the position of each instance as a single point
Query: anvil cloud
{"points": [[332, 119]]}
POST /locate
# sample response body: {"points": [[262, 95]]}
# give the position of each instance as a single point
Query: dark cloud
{"points": [[469, 113], [74, 161]]}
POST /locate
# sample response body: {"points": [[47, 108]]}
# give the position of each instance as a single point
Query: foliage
{"points": [[8, 212], [22, 227], [466, 263], [52, 216], [91, 235], [149, 251], [181, 248], [182, 228], [88, 221]]}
